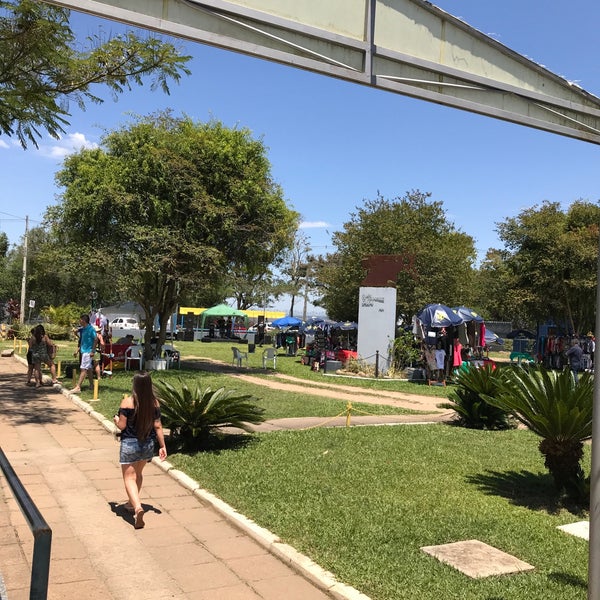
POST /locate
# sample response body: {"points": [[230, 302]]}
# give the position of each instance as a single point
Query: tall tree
{"points": [[551, 257], [42, 69], [496, 295], [440, 257], [168, 204], [294, 269]]}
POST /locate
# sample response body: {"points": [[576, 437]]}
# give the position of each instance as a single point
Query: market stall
{"points": [[451, 338]]}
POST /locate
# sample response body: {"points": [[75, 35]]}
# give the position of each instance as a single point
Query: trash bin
{"points": [[333, 365], [251, 341]]}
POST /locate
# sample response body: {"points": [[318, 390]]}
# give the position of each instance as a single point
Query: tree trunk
{"points": [[562, 459]]}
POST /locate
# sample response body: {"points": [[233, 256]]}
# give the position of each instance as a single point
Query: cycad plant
{"points": [[474, 385], [193, 414], [558, 409]]}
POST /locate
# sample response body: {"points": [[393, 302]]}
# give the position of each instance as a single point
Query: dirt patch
{"points": [[423, 405]]}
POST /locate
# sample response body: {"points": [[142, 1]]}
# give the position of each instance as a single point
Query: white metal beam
{"points": [[409, 47]]}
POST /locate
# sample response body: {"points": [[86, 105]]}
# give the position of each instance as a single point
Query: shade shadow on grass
{"points": [[568, 579], [215, 444], [523, 488]]}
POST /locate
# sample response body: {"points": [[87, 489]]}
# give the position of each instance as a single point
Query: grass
{"points": [[362, 501], [276, 403]]}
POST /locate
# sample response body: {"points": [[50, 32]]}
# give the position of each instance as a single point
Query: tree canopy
{"points": [[414, 226], [168, 206], [551, 261], [42, 68]]}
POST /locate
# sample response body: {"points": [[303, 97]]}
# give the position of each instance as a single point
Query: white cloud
{"points": [[72, 142], [313, 224], [3, 144]]}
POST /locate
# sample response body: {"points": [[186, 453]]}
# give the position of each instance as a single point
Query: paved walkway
{"points": [[193, 546]]}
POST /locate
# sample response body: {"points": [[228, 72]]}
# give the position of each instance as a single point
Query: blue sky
{"points": [[334, 144]]}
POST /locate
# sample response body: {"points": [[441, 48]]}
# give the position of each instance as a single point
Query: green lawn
{"points": [[276, 403], [362, 501]]}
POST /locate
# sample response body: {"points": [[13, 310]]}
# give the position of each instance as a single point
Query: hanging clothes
{"points": [[457, 354], [440, 358], [429, 353]]}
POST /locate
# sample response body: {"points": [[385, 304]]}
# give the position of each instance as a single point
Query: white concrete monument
{"points": [[376, 325]]}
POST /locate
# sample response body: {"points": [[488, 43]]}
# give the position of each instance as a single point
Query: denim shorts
{"points": [[132, 451]]}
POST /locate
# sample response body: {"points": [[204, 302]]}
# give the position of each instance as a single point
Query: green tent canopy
{"points": [[222, 310]]}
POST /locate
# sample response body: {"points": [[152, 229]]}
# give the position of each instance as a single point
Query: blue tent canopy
{"points": [[346, 325], [467, 314], [286, 322], [439, 315], [492, 338]]}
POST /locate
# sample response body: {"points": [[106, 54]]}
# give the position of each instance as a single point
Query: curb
{"points": [[301, 563]]}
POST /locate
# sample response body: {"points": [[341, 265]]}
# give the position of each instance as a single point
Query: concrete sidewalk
{"points": [[193, 545]]}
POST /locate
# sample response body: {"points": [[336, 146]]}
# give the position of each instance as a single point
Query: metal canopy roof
{"points": [[409, 47]]}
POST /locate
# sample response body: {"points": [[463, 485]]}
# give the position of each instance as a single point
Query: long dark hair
{"points": [[39, 333], [144, 403]]}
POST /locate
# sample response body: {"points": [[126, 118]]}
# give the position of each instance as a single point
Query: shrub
{"points": [[469, 400], [359, 367], [404, 351], [558, 409], [65, 316], [194, 414]]}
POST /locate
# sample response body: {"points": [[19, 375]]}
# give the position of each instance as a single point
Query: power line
{"points": [[13, 216]]}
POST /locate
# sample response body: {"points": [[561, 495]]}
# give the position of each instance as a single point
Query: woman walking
{"points": [[138, 420], [43, 350]]}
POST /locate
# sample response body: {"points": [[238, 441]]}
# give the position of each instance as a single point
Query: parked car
{"points": [[124, 323]]}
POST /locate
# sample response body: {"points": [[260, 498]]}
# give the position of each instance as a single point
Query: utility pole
{"points": [[24, 280]]}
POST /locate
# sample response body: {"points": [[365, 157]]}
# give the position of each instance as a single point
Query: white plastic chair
{"points": [[134, 354], [171, 355], [267, 355], [238, 357]]}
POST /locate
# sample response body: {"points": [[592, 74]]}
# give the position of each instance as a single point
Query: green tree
{"points": [[440, 257], [495, 293], [48, 282], [550, 262], [42, 69], [168, 204], [294, 271]]}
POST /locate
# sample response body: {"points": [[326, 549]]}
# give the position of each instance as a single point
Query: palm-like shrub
{"points": [[558, 409], [468, 400], [193, 414]]}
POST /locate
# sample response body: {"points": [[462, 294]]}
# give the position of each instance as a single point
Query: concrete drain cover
{"points": [[580, 529], [476, 559]]}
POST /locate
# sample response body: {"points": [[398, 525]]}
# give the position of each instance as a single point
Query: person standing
{"points": [[29, 360], [260, 328], [574, 354], [87, 348], [139, 421], [440, 361], [42, 351]]}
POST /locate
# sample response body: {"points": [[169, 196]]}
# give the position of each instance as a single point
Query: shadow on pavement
{"points": [[119, 510], [23, 404]]}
